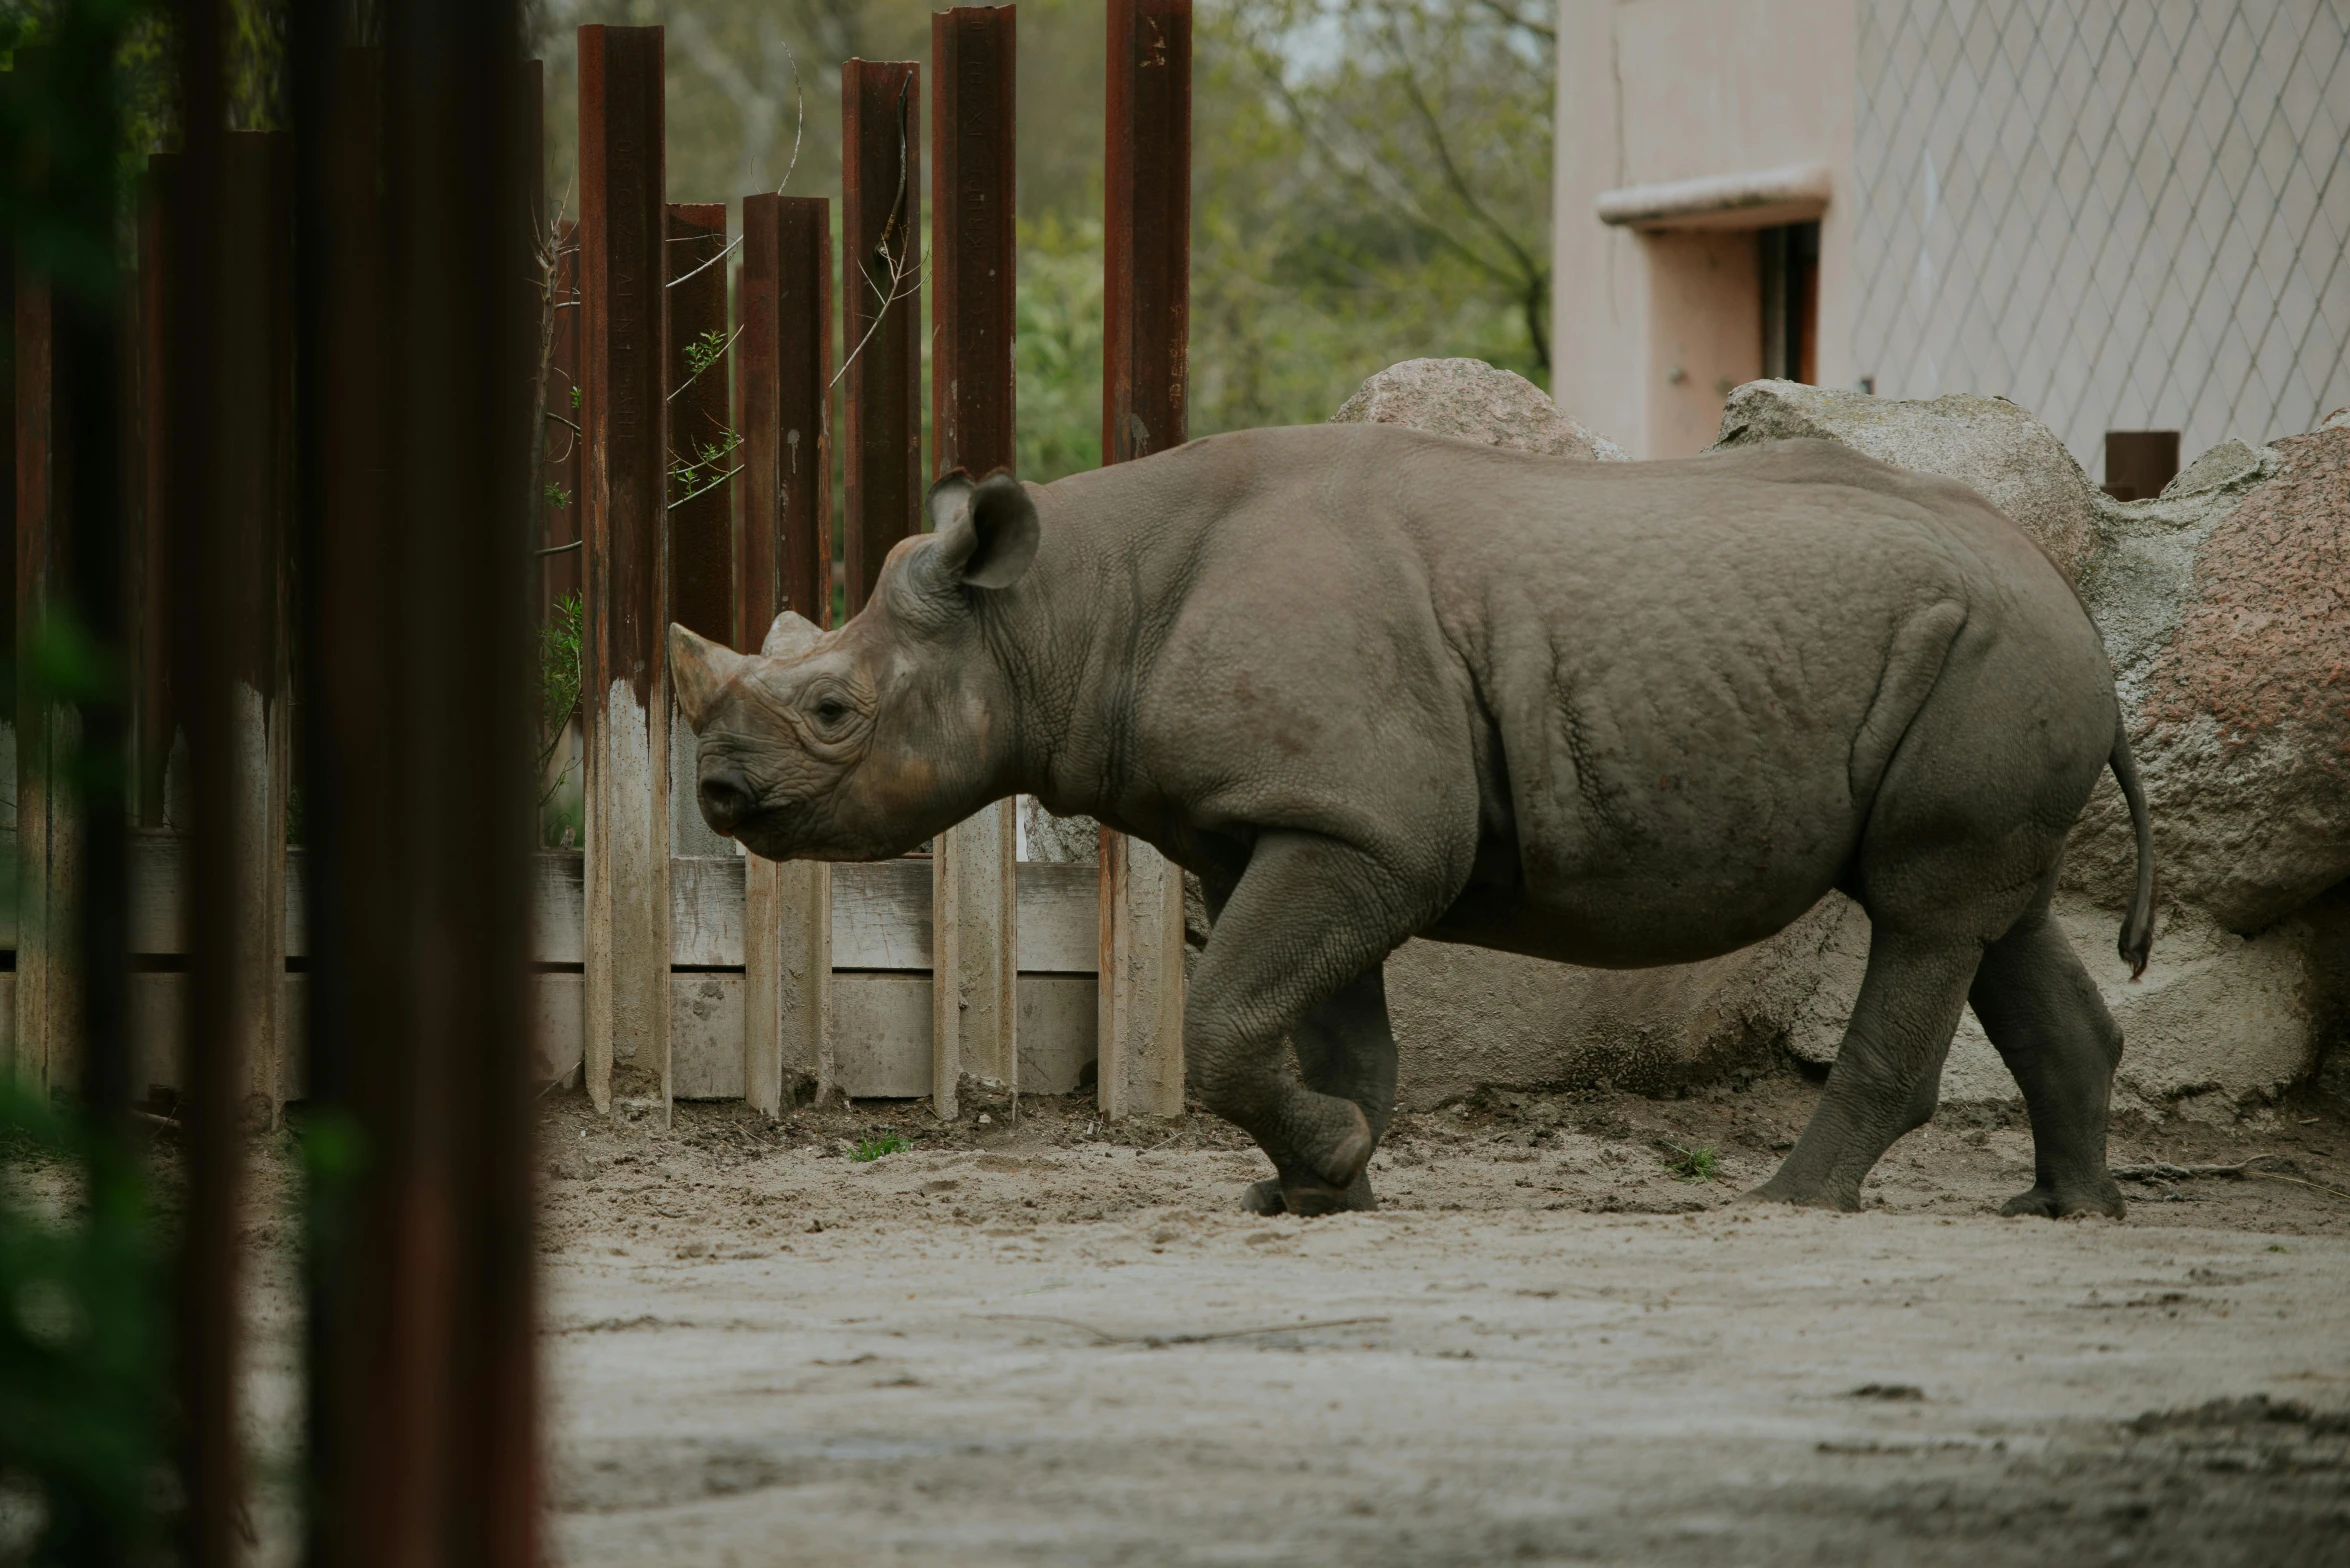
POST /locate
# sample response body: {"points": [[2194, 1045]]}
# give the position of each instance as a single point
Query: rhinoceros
{"points": [[1369, 684]]}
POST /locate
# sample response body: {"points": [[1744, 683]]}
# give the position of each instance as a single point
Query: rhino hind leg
{"points": [[1294, 957], [2040, 1008], [1887, 1069]]}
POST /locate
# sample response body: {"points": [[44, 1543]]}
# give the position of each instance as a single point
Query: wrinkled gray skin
{"points": [[1370, 683]]}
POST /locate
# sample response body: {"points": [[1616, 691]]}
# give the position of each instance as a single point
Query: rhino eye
{"points": [[831, 710]]}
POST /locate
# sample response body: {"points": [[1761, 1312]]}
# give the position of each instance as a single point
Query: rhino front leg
{"points": [[1295, 955], [1345, 1046]]}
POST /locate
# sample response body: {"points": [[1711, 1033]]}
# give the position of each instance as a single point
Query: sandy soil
{"points": [[1038, 1342]]}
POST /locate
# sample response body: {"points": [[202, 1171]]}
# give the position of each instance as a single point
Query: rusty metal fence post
{"points": [[881, 309], [974, 962], [416, 329], [624, 686], [783, 561], [703, 456], [1145, 341]]}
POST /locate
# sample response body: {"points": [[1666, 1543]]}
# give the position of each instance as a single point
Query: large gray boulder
{"points": [[1985, 442], [1473, 401]]}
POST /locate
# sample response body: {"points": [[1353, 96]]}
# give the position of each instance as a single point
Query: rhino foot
{"points": [[1307, 1198], [1804, 1196], [2063, 1202]]}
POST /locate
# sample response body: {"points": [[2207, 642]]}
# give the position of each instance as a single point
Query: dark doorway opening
{"points": [[1790, 257]]}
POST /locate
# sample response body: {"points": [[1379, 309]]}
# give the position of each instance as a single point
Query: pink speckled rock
{"points": [[2229, 623]]}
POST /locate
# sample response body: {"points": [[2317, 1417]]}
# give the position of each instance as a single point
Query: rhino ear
{"points": [[698, 671], [986, 533], [790, 637]]}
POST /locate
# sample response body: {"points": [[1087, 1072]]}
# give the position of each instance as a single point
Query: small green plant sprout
{"points": [[1698, 1164], [870, 1149], [575, 398], [556, 495], [705, 470], [558, 683], [706, 350]]}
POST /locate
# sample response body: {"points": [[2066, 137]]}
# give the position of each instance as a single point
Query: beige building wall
{"points": [[2123, 215], [1653, 328], [2120, 214]]}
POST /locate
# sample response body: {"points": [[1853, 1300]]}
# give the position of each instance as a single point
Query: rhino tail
{"points": [[2137, 939]]}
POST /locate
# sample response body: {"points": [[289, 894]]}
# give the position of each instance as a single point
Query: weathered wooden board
{"points": [[882, 912], [158, 1030], [880, 1022], [1060, 918], [1058, 1029], [1140, 1028]]}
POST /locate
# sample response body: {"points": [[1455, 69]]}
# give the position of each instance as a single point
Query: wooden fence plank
{"points": [[1140, 1028], [1145, 349], [703, 459], [625, 692]]}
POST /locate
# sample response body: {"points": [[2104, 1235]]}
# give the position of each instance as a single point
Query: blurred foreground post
{"points": [[783, 561], [624, 669], [202, 567], [418, 323], [1145, 342], [974, 967]]}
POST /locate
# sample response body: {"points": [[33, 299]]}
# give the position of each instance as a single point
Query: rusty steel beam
{"points": [[1146, 286], [783, 513], [974, 57], [1146, 303], [881, 311], [974, 51], [783, 558], [459, 358], [624, 691], [701, 432]]}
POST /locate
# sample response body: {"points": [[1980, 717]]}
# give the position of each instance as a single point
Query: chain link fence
{"points": [[2121, 214]]}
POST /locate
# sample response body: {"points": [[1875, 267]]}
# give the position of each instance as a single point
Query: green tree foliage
{"points": [[1371, 180]]}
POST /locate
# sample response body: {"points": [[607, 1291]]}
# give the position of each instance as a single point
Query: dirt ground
{"points": [[1561, 1340], [1044, 1342]]}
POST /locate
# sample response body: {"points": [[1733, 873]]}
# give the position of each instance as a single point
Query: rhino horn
{"points": [[698, 671]]}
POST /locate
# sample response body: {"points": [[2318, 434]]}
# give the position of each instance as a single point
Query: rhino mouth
{"points": [[764, 833]]}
